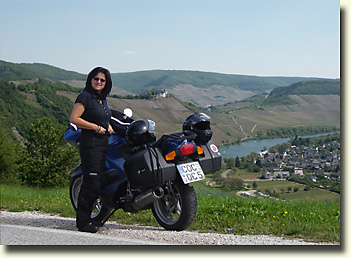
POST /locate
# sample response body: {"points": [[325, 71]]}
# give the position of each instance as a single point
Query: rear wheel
{"points": [[176, 210], [99, 213]]}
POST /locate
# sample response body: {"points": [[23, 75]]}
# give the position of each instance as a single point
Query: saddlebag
{"points": [[147, 168], [211, 161]]}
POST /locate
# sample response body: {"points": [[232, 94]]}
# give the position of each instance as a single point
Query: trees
{"points": [[230, 163], [20, 105], [234, 183], [237, 162], [8, 158], [47, 157]]}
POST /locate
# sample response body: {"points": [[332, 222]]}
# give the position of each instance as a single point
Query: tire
{"points": [[176, 210], [99, 213]]}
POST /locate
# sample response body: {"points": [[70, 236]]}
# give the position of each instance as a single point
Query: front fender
{"points": [[77, 171]]}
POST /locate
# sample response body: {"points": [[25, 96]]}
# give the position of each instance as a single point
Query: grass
{"points": [[226, 214], [16, 198], [281, 187], [317, 221]]}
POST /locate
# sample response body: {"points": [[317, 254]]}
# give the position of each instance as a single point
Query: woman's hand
{"points": [[102, 130], [110, 129]]}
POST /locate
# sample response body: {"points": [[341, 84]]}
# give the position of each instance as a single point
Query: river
{"points": [[245, 148]]}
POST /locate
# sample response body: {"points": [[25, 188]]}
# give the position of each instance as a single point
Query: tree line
{"points": [[150, 94], [292, 132]]}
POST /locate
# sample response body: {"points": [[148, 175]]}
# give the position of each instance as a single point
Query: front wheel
{"points": [[176, 210], [99, 213]]}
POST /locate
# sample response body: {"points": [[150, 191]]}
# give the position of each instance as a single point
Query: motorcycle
{"points": [[155, 175]]}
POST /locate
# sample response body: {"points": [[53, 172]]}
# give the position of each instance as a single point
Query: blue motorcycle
{"points": [[141, 173]]}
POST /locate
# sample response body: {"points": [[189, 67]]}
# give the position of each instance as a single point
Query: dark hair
{"points": [[108, 85]]}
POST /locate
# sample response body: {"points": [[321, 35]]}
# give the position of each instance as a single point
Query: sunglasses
{"points": [[97, 79]]}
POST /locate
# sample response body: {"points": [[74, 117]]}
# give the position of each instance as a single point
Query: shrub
{"points": [[47, 157], [307, 188]]}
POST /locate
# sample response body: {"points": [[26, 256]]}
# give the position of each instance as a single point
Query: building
{"points": [[281, 174], [266, 174]]}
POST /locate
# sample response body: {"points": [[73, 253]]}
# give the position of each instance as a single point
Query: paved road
{"points": [[36, 228], [28, 235]]}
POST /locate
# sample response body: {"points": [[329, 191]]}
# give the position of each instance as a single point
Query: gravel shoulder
{"points": [[38, 219]]}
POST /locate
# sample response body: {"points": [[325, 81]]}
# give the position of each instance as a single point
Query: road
{"points": [[29, 235], [36, 228]]}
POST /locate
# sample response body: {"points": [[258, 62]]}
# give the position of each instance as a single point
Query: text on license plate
{"points": [[190, 172]]}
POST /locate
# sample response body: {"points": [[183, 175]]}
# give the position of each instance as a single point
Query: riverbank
{"points": [[245, 148]]}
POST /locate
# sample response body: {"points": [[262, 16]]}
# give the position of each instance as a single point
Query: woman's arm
{"points": [[77, 112]]}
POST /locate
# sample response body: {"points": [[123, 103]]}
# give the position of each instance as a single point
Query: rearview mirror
{"points": [[128, 112]]}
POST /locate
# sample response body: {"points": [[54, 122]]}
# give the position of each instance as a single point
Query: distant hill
{"points": [[317, 87], [16, 72], [139, 82], [199, 88], [19, 72], [53, 73], [287, 95]]}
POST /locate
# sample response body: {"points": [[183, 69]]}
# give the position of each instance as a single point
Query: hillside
{"points": [[318, 114], [296, 110], [21, 105], [286, 110], [55, 101], [18, 72], [15, 72], [199, 88], [138, 82], [316, 87], [284, 95]]}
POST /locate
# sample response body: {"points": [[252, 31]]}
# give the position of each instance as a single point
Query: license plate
{"points": [[190, 172]]}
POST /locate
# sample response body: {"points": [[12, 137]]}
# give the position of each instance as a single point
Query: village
{"points": [[312, 162]]}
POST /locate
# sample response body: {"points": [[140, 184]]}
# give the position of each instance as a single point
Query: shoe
{"points": [[97, 223], [90, 228]]}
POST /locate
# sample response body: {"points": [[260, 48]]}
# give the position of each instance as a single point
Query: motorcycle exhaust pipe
{"points": [[146, 198]]}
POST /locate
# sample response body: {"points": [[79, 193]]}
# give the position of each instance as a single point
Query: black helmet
{"points": [[199, 123], [138, 132]]}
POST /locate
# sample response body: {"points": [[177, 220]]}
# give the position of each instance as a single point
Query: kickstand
{"points": [[109, 216]]}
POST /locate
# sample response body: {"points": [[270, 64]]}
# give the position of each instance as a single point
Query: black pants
{"points": [[93, 153]]}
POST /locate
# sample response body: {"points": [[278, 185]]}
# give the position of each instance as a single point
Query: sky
{"points": [[249, 37]]}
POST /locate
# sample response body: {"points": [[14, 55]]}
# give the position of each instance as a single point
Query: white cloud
{"points": [[128, 52]]}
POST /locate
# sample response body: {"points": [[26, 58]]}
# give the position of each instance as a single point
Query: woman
{"points": [[91, 114]]}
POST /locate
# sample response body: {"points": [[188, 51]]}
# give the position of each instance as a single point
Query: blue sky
{"points": [[251, 37]]}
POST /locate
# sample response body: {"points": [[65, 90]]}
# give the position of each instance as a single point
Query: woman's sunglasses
{"points": [[97, 79]]}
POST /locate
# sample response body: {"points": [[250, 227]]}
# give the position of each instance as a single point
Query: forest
{"points": [[18, 111]]}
